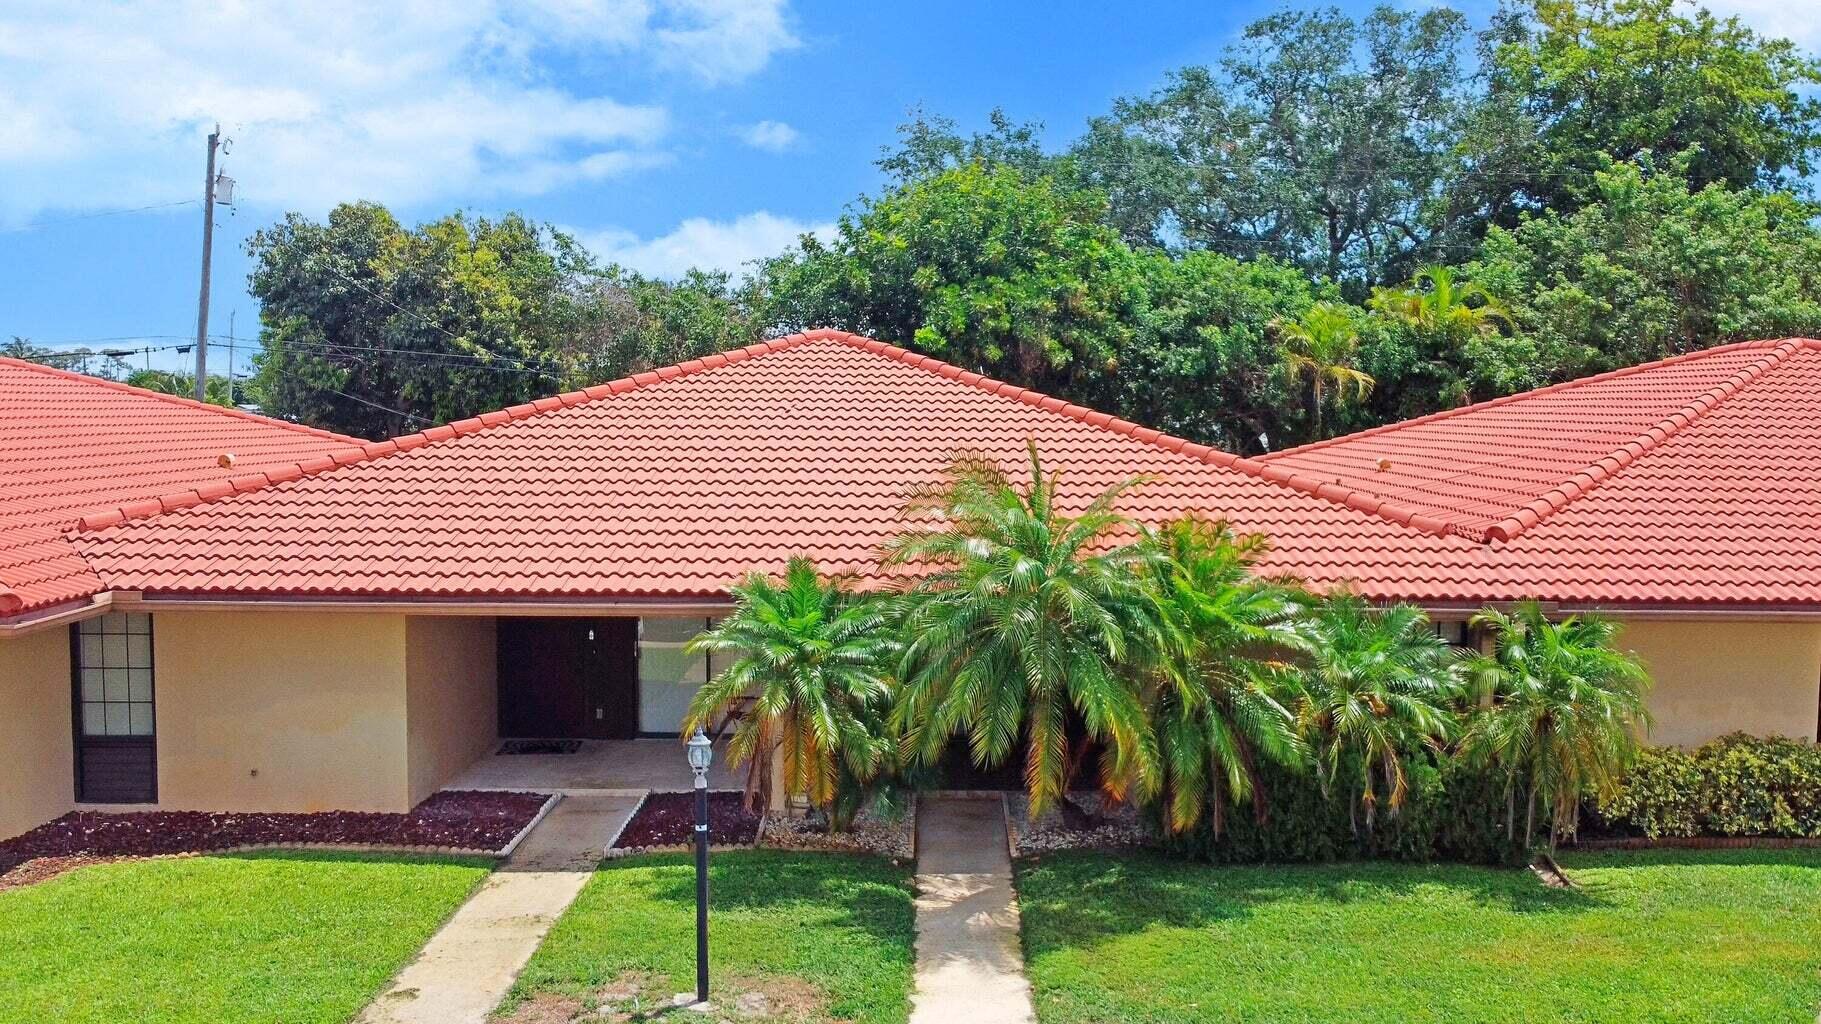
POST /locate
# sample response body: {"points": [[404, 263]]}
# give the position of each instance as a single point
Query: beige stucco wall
{"points": [[281, 711], [37, 781], [452, 697], [1718, 676]]}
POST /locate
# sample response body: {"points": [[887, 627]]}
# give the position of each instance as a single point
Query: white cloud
{"points": [[105, 105], [701, 242], [1775, 18], [773, 136]]}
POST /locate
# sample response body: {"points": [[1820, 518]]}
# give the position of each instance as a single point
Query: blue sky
{"points": [[661, 132]]}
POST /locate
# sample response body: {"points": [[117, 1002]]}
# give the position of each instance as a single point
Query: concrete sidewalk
{"points": [[467, 967], [970, 966]]}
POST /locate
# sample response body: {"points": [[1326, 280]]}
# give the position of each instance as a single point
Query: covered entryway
{"points": [[569, 678], [599, 677]]}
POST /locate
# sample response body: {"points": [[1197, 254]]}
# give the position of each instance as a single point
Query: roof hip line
{"points": [[1604, 468]]}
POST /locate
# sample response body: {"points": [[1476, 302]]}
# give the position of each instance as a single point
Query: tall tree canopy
{"points": [[1650, 267], [1015, 276], [982, 266], [374, 329], [1319, 139], [1591, 81]]}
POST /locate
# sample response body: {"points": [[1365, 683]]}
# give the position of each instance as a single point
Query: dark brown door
{"points": [[568, 678], [613, 679], [540, 678]]}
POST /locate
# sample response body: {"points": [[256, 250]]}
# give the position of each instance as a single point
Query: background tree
{"points": [[1321, 348], [631, 322], [81, 359], [169, 382], [1649, 267], [1591, 81], [981, 266], [372, 329], [1433, 337], [814, 663], [1202, 363], [929, 145], [1024, 619], [1566, 707], [1321, 140]]}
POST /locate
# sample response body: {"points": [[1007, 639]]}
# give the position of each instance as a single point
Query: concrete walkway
{"points": [[467, 967], [970, 966]]}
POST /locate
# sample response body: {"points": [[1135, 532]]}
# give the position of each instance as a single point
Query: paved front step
{"points": [[970, 966], [468, 966]]}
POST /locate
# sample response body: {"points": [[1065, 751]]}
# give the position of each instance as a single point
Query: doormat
{"points": [[540, 746]]}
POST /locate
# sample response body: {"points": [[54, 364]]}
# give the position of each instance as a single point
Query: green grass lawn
{"points": [[292, 937], [819, 936], [1729, 936]]}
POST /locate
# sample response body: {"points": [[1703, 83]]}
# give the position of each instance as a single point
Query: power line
{"points": [[35, 225], [375, 405], [371, 405], [471, 363], [414, 314]]}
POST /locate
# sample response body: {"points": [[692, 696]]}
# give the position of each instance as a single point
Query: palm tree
{"points": [[814, 661], [1025, 615], [1374, 685], [1565, 709], [1212, 692], [1436, 301], [1321, 346]]}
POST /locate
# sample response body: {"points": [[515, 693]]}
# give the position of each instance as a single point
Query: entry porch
{"points": [[599, 766]]}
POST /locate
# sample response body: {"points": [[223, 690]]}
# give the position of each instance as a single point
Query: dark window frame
{"points": [[80, 739]]}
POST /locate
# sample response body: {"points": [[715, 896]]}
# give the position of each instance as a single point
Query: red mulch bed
{"points": [[669, 819], [468, 820]]}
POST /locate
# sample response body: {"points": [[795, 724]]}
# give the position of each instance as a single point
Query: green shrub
{"points": [[1737, 785], [1452, 812]]}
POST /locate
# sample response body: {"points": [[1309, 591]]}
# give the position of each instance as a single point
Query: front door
{"points": [[568, 678], [612, 679]]}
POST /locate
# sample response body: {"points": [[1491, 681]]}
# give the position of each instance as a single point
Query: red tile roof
{"points": [[72, 445], [677, 482], [1692, 481]]}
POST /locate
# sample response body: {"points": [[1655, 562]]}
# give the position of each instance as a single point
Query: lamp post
{"points": [[701, 754]]}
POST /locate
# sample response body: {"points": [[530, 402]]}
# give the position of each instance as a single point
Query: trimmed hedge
{"points": [[1738, 785]]}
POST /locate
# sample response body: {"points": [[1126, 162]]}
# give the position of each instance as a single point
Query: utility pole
{"points": [[232, 313], [208, 241]]}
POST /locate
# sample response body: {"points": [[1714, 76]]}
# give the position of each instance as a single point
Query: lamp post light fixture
{"points": [[701, 755]]}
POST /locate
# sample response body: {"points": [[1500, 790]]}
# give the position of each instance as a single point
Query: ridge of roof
{"points": [[1583, 480], [1492, 403], [178, 400], [1557, 497], [368, 451], [1328, 490]]}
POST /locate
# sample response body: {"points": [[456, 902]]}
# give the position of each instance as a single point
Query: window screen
{"points": [[114, 674]]}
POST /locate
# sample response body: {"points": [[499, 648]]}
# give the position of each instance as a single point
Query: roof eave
{"points": [[39, 619]]}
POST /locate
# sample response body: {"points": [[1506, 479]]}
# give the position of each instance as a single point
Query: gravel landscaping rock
{"points": [[666, 821], [455, 820], [1117, 827], [895, 838]]}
